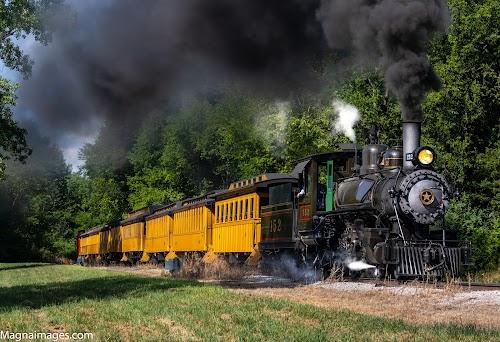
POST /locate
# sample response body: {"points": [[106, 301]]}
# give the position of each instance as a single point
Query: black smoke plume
{"points": [[391, 35], [114, 60], [117, 59]]}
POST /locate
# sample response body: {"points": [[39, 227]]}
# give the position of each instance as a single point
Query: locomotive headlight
{"points": [[425, 156]]}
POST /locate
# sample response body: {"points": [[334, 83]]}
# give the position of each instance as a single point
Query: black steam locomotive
{"points": [[371, 220]]}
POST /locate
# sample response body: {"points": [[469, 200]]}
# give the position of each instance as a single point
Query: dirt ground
{"points": [[423, 304], [426, 305]]}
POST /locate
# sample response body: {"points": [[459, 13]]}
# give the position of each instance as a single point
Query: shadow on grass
{"points": [[252, 284], [37, 296], [8, 267]]}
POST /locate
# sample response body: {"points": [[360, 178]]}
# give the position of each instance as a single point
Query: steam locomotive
{"points": [[374, 220], [350, 212]]}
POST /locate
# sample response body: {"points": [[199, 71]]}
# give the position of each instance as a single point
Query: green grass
{"points": [[488, 277], [121, 306]]}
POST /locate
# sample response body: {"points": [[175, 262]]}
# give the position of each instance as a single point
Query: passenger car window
{"points": [[280, 193]]}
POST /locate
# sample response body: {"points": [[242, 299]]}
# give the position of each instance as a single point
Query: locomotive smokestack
{"points": [[411, 138]]}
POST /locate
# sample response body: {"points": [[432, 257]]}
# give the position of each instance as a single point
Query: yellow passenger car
{"points": [[90, 242], [104, 240], [157, 238], [89, 246], [133, 232], [114, 239], [237, 224], [110, 241], [192, 226]]}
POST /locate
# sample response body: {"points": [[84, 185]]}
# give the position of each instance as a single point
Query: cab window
{"points": [[321, 193], [363, 188]]}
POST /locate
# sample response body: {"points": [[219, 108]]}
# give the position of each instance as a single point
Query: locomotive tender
{"points": [[373, 205]]}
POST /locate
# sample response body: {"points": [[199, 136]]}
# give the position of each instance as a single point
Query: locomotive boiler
{"points": [[374, 219]]}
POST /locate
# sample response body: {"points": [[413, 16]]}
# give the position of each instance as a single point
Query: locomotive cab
{"points": [[287, 222]]}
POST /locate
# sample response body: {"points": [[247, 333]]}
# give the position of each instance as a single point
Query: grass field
{"points": [[121, 306]]}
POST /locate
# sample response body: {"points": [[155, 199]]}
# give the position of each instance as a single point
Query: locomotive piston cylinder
{"points": [[411, 141]]}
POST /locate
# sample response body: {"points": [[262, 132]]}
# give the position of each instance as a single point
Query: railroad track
{"points": [[477, 286], [279, 282], [483, 286], [270, 281]]}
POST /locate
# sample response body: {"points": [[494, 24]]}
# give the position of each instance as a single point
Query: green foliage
{"points": [[462, 123], [309, 130], [462, 119], [19, 19], [205, 146], [479, 227], [155, 185], [34, 220], [101, 188], [12, 137], [367, 93], [225, 139], [97, 200]]}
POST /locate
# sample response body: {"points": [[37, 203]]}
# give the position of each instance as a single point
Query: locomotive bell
{"points": [[393, 158]]}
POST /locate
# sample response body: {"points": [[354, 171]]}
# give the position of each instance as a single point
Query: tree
{"points": [[12, 137], [378, 109], [34, 199], [18, 19], [462, 122], [95, 200], [309, 130], [462, 119], [203, 146]]}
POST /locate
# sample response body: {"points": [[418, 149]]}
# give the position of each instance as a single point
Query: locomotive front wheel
{"points": [[354, 275]]}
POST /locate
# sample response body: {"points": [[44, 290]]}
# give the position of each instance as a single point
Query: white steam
{"points": [[359, 266], [272, 124], [346, 117]]}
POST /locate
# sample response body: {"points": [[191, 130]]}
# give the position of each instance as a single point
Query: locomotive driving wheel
{"points": [[349, 249]]}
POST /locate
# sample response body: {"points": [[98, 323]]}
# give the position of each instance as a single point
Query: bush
{"points": [[481, 228]]}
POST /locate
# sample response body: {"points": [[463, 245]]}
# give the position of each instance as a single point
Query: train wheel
{"points": [[380, 272], [354, 275]]}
